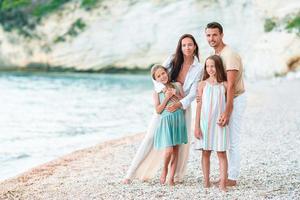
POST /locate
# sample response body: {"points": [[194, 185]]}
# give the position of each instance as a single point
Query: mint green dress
{"points": [[171, 130]]}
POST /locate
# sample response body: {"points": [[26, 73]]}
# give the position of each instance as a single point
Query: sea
{"points": [[44, 115]]}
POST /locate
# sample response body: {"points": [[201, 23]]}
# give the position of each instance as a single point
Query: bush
{"points": [[294, 24], [88, 4], [77, 27], [44, 9], [23, 15], [9, 4], [269, 25]]}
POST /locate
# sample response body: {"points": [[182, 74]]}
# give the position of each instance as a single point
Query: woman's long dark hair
{"points": [[220, 70], [178, 56]]}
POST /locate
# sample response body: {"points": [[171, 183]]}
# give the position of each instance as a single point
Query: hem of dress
{"points": [[160, 148]]}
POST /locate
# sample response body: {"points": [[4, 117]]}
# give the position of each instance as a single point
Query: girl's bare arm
{"points": [[160, 106], [198, 133]]}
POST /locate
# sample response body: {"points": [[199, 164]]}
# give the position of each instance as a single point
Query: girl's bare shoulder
{"points": [[201, 84]]}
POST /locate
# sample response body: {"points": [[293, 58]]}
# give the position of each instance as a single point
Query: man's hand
{"points": [[224, 119], [173, 107]]}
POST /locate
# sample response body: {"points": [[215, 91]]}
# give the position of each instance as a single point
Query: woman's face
{"points": [[210, 67], [161, 76], [187, 46]]}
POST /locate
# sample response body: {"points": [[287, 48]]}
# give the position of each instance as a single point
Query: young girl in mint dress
{"points": [[171, 130], [212, 91]]}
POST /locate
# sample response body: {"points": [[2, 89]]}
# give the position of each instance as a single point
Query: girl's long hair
{"points": [[220, 70], [177, 61]]}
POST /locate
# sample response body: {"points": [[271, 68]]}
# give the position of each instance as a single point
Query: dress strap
{"points": [[223, 85]]}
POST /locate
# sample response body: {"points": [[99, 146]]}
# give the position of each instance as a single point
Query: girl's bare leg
{"points": [[206, 167], [223, 170], [126, 181], [168, 155], [173, 164]]}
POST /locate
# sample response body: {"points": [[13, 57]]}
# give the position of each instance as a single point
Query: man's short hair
{"points": [[215, 25]]}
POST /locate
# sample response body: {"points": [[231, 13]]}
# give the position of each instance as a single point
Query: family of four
{"points": [[219, 91]]}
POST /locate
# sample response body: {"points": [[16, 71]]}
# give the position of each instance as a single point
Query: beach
{"points": [[270, 145]]}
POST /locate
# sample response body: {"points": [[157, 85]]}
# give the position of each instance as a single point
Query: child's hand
{"points": [[169, 93], [198, 99], [173, 91], [198, 133]]}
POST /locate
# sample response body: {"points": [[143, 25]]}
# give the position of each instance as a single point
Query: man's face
{"points": [[213, 36]]}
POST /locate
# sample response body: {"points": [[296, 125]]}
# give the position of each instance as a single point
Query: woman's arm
{"points": [[179, 95], [190, 96], [198, 132], [160, 106], [187, 100]]}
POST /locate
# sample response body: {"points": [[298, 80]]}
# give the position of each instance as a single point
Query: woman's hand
{"points": [[198, 133], [173, 107], [174, 99]]}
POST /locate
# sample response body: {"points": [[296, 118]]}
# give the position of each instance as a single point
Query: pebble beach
{"points": [[270, 146]]}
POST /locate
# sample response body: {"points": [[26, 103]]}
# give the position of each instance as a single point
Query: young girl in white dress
{"points": [[212, 91]]}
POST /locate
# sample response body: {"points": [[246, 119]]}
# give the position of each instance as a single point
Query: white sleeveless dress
{"points": [[215, 137]]}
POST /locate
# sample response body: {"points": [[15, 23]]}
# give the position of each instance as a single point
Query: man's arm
{"points": [[231, 76]]}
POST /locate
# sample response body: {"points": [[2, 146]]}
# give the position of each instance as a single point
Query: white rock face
{"points": [[124, 34]]}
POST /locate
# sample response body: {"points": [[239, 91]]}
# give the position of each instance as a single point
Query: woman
{"points": [[184, 67]]}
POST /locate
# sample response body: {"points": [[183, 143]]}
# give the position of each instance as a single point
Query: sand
{"points": [[270, 160]]}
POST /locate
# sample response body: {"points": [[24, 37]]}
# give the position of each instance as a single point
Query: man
{"points": [[236, 99]]}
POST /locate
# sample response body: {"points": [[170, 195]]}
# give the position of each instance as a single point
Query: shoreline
{"points": [[269, 147], [46, 169]]}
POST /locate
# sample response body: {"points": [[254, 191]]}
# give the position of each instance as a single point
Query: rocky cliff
{"points": [[139, 33]]}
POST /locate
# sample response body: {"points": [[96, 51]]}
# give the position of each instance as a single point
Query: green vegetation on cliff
{"points": [[290, 23], [294, 24], [270, 24], [75, 28], [24, 15]]}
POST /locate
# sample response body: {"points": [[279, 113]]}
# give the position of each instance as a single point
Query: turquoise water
{"points": [[46, 115]]}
